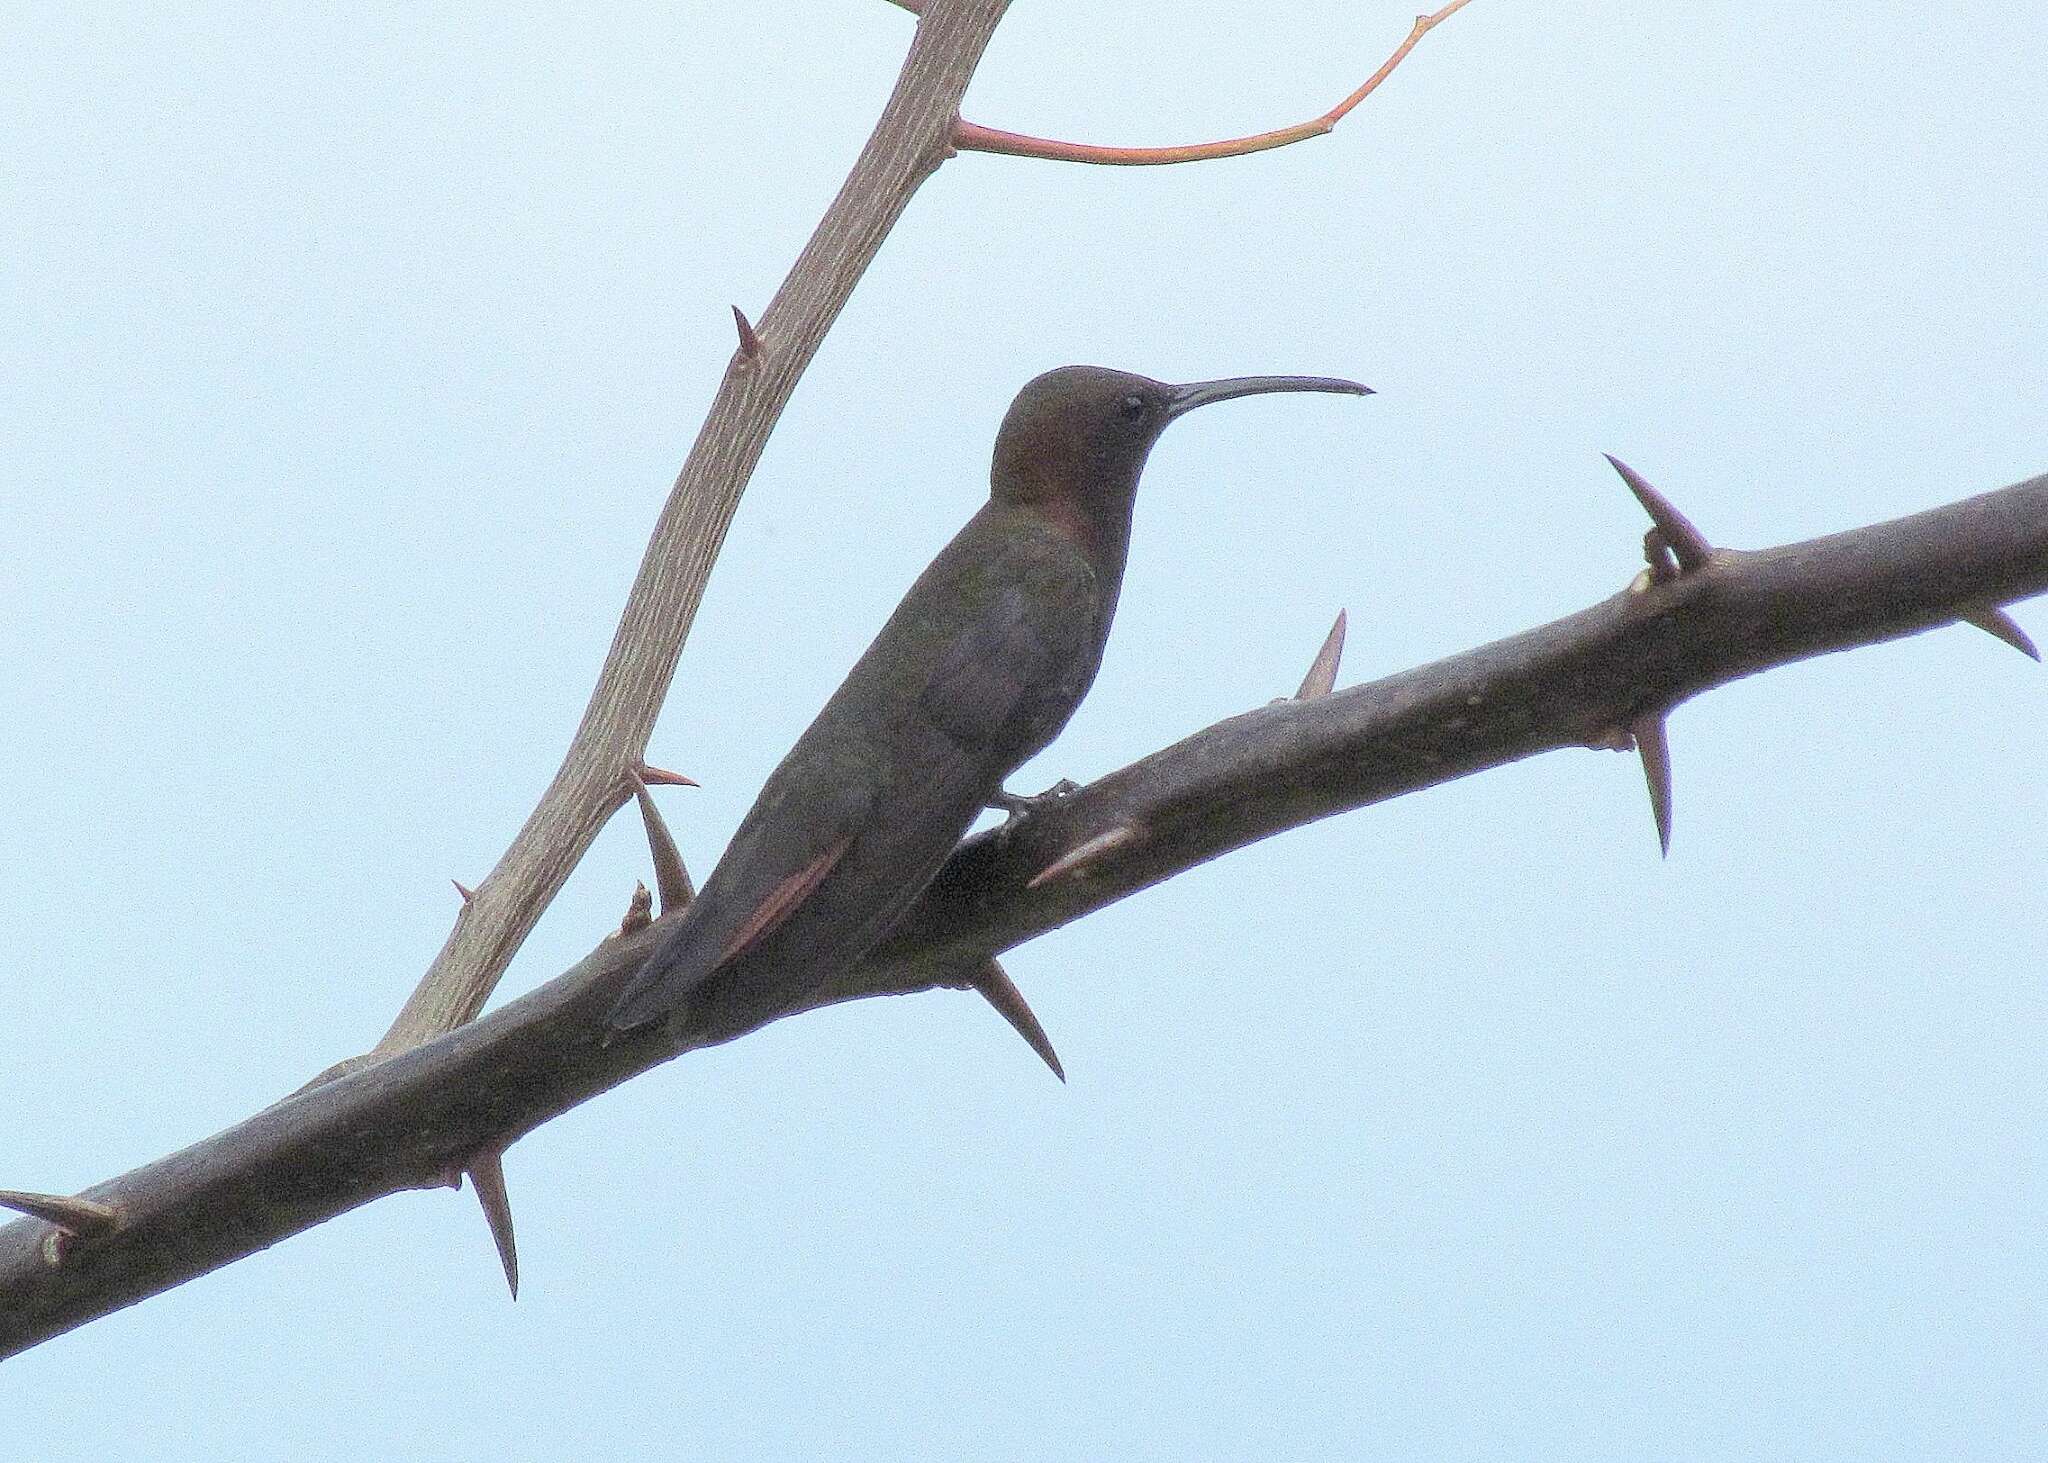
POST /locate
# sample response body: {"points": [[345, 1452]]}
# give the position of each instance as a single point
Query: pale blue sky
{"points": [[348, 356]]}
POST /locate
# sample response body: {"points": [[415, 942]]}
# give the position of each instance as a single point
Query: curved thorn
{"points": [[1687, 543], [662, 777], [639, 911], [1322, 671], [84, 1218], [464, 890], [1994, 621], [750, 343], [1654, 745], [487, 1173], [1000, 991], [670, 877], [1084, 854]]}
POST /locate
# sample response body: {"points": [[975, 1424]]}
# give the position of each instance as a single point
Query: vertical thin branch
{"points": [[911, 139]]}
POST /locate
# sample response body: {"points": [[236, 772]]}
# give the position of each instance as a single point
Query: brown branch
{"points": [[406, 1122], [973, 137], [908, 142]]}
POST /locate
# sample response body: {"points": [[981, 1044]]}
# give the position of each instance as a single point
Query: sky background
{"points": [[348, 354]]}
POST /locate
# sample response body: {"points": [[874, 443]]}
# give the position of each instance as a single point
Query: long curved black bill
{"points": [[1202, 393]]}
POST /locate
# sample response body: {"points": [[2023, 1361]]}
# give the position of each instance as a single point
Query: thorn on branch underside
{"points": [[1672, 538], [486, 1170], [996, 987], [1082, 855], [1994, 621], [670, 877], [1322, 671], [972, 137], [1653, 745]]}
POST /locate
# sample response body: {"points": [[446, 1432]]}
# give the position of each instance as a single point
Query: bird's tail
{"points": [[661, 987]]}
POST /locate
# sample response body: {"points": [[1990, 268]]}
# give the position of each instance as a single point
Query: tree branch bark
{"points": [[408, 1121]]}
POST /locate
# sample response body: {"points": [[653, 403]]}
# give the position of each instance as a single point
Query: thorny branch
{"points": [[432, 1113], [604, 765], [435, 1110]]}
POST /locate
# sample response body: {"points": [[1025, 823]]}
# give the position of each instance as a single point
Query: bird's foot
{"points": [[1018, 806]]}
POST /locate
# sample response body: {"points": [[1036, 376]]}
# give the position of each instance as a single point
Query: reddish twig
{"points": [[973, 137]]}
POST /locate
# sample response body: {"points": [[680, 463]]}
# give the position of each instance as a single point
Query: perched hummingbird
{"points": [[979, 668]]}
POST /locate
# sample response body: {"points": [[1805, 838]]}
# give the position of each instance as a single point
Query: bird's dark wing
{"points": [[783, 900], [1005, 684], [982, 709], [867, 805], [788, 845]]}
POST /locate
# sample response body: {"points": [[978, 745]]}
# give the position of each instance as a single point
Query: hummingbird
{"points": [[977, 670]]}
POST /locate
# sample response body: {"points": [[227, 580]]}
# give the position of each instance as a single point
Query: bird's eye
{"points": [[1133, 407]]}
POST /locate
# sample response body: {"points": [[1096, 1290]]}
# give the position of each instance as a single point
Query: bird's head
{"points": [[1075, 440]]}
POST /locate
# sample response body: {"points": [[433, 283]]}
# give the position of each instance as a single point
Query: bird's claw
{"points": [[1016, 805]]}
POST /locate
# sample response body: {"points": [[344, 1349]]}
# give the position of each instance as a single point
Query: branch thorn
{"points": [[1322, 671], [1994, 621], [1673, 529], [464, 890], [1653, 744], [750, 343], [662, 777], [1000, 991], [79, 1218], [670, 877], [639, 911], [486, 1170]]}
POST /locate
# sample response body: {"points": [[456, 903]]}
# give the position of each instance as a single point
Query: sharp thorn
{"points": [[1322, 671], [1654, 746], [83, 1218], [487, 1174], [1687, 543], [1000, 991], [750, 343], [670, 877], [464, 890], [639, 911], [662, 777], [1084, 854], [1994, 621]]}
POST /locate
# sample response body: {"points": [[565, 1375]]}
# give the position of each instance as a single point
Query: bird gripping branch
{"points": [[977, 670]]}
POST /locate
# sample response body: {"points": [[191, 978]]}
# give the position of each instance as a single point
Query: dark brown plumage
{"points": [[979, 667]]}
